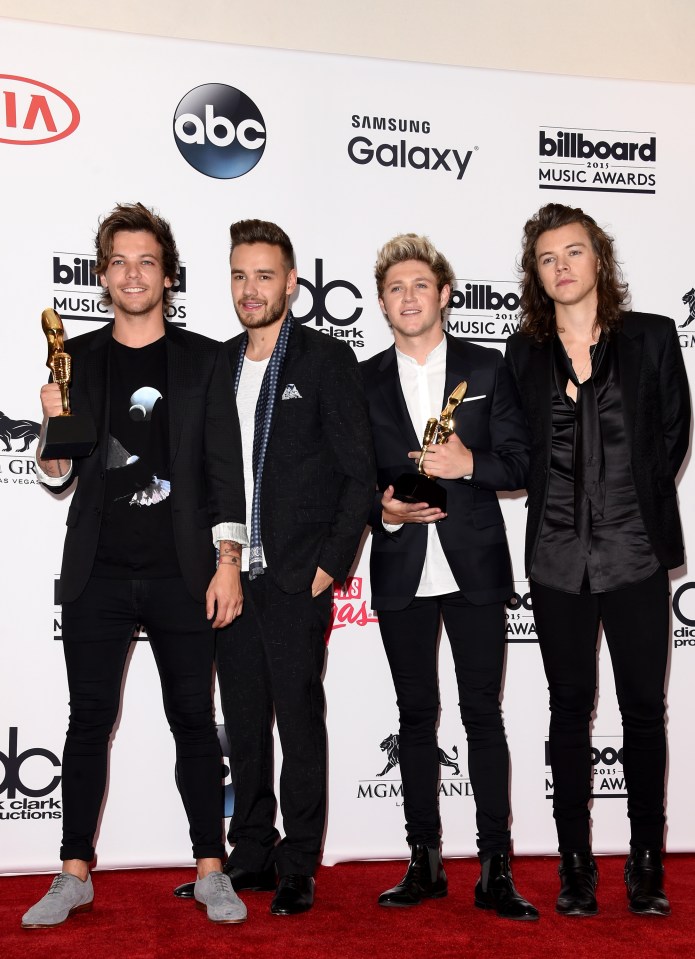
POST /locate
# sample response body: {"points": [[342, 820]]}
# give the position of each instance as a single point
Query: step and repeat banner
{"points": [[343, 153]]}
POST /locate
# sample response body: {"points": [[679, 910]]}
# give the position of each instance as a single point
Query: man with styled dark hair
{"points": [[606, 398], [162, 487], [309, 480], [428, 565]]}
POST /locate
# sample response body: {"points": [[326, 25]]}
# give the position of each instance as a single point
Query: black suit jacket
{"points": [[490, 422], [318, 476], [656, 411], [207, 485]]}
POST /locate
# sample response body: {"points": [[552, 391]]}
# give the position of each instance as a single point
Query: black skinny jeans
{"points": [[477, 638], [97, 631], [636, 624]]}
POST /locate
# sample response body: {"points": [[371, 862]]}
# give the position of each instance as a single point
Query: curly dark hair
{"points": [[136, 218], [537, 308]]}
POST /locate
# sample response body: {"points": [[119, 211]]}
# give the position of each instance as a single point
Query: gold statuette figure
{"points": [[68, 435], [419, 487]]}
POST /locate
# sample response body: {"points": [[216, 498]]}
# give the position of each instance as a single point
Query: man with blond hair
{"points": [[428, 565]]}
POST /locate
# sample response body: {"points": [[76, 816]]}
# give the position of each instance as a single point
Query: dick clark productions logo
{"points": [[219, 130]]}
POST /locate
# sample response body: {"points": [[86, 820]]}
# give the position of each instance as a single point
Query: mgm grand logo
{"points": [[393, 789]]}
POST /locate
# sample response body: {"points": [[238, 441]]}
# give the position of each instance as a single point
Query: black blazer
{"points": [[318, 476], [656, 411], [207, 485], [490, 422]]}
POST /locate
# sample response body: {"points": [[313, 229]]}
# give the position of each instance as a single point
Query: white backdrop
{"points": [[343, 153]]}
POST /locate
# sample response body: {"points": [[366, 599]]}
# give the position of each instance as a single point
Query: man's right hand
{"points": [[51, 402], [395, 512]]}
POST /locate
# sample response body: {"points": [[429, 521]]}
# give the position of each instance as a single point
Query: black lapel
{"points": [[99, 383], [458, 367], [393, 399], [540, 381], [630, 346], [178, 379]]}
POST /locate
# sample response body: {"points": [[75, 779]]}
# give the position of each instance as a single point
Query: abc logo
{"points": [[219, 131]]}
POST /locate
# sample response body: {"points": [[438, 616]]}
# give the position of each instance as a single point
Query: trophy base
{"points": [[416, 488], [68, 437]]}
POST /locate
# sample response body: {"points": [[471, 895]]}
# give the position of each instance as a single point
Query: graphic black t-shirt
{"points": [[137, 538]]}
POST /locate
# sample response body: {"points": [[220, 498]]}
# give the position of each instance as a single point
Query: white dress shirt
{"points": [[423, 389]]}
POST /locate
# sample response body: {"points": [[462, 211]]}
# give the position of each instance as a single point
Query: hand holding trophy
{"points": [[69, 435], [419, 487]]}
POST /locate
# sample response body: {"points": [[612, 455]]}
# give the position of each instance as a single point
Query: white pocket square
{"points": [[469, 399], [291, 393]]}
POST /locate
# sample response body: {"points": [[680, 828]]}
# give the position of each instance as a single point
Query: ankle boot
{"points": [[495, 890], [578, 881], [425, 879], [644, 875]]}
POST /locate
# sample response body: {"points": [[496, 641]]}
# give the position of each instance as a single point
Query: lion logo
{"points": [[390, 746], [689, 300], [25, 430]]}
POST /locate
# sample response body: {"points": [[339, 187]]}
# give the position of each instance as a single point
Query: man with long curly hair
{"points": [[606, 398]]}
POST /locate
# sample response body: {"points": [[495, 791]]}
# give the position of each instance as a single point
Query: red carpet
{"points": [[136, 916]]}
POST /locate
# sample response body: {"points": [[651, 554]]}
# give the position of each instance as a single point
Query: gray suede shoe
{"points": [[216, 896], [67, 896]]}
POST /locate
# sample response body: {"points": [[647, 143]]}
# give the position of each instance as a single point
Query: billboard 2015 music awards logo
{"points": [[607, 777], [597, 161], [219, 131], [381, 144], [77, 291], [451, 785], [484, 311], [521, 626], [28, 775]]}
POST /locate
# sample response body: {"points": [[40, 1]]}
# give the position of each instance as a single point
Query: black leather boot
{"points": [[425, 879], [644, 874], [495, 890], [578, 881]]}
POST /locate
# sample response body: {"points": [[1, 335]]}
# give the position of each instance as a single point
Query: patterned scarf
{"points": [[263, 421]]}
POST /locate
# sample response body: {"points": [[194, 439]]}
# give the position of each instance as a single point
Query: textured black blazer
{"points": [[656, 411], [207, 484], [318, 476], [491, 423]]}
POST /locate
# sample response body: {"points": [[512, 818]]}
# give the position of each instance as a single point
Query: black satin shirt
{"points": [[620, 553]]}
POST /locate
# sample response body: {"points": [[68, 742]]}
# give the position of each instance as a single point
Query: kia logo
{"points": [[32, 113]]}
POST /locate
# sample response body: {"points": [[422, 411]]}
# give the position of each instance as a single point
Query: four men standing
{"points": [[168, 463]]}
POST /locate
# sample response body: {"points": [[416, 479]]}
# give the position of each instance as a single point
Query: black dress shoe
{"points": [[644, 875], [263, 881], [578, 881], [294, 894], [425, 879], [495, 890]]}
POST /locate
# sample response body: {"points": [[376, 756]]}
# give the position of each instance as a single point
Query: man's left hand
{"points": [[224, 592], [450, 460], [322, 581]]}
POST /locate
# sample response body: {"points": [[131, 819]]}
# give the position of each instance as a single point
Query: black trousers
{"points": [[477, 637], [636, 624], [97, 632], [272, 658]]}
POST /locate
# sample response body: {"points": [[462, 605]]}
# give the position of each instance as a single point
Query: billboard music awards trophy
{"points": [[419, 487], [71, 434]]}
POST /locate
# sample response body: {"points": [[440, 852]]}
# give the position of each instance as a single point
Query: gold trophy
{"points": [[419, 487], [69, 435]]}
